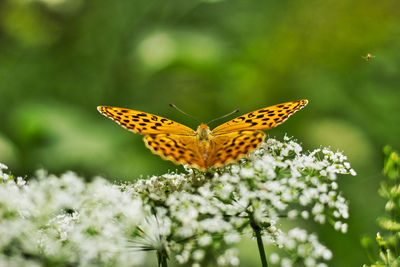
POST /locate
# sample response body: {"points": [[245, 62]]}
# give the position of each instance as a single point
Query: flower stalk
{"points": [[260, 245], [162, 258]]}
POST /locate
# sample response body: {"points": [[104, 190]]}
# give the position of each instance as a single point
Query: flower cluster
{"points": [[278, 181], [194, 217], [65, 221]]}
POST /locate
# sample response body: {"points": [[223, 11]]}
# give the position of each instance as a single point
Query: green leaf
{"points": [[388, 224], [391, 164]]}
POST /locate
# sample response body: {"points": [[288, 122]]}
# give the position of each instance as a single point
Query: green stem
{"points": [[261, 248], [257, 231], [162, 257]]}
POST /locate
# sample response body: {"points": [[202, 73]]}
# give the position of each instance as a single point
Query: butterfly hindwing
{"points": [[142, 122], [261, 119], [177, 148], [229, 148]]}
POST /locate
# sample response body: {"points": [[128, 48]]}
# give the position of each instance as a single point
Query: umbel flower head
{"points": [[193, 217], [279, 182]]}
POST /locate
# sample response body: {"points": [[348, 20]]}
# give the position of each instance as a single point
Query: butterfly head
{"points": [[203, 132]]}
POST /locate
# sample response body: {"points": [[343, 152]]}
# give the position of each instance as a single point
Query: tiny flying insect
{"points": [[368, 57]]}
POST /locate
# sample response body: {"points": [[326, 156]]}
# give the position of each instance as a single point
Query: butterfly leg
{"points": [[194, 173], [209, 174]]}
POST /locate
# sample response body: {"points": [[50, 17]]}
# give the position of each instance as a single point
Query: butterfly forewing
{"points": [[142, 122], [177, 148], [261, 119]]}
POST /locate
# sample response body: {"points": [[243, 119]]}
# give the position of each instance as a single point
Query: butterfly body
{"points": [[203, 148], [203, 133], [204, 143]]}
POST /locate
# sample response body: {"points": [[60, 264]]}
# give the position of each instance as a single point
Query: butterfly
{"points": [[368, 57], [204, 148]]}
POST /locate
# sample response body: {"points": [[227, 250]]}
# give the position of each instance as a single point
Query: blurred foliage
{"points": [[388, 245], [59, 59]]}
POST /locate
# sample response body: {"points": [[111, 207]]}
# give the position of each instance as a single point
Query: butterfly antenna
{"points": [[181, 111], [224, 116]]}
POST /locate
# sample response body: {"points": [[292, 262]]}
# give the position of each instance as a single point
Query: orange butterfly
{"points": [[203, 148]]}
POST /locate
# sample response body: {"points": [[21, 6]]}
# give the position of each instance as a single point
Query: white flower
{"points": [[274, 258], [247, 172], [327, 254], [334, 185], [318, 208], [305, 214], [309, 261], [232, 237], [198, 254], [298, 234], [320, 218], [344, 227], [204, 240], [229, 257], [285, 262], [289, 243], [338, 225], [292, 214]]}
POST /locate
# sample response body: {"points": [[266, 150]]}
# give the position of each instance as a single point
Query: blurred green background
{"points": [[59, 59]]}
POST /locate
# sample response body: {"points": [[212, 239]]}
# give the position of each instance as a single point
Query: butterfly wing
{"points": [[261, 119], [142, 122], [176, 148], [230, 147], [224, 149]]}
